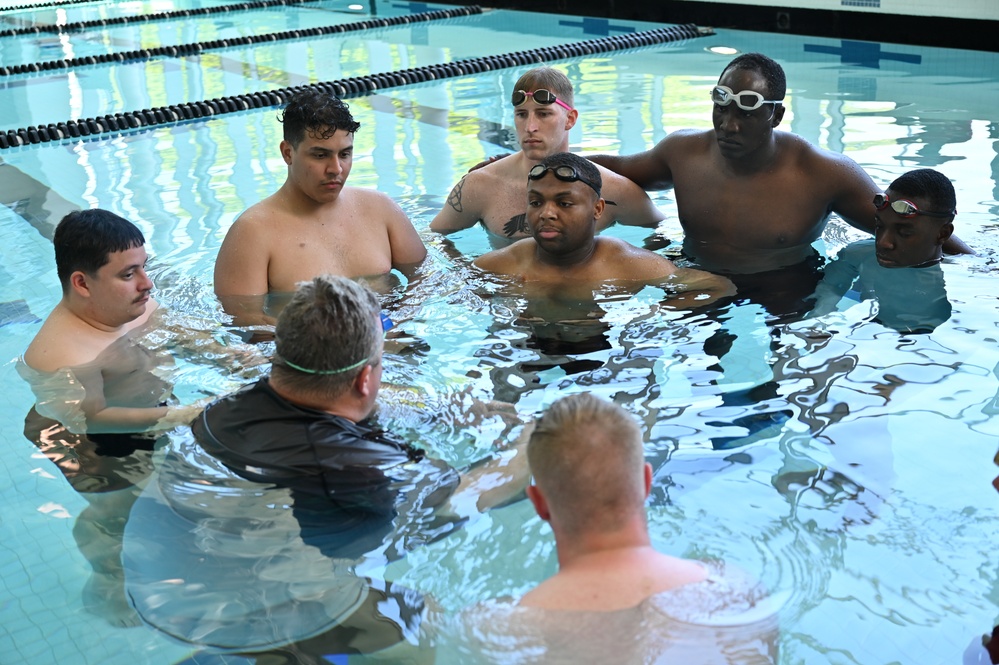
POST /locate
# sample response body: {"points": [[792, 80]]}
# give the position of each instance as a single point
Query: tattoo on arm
{"points": [[454, 198], [516, 223]]}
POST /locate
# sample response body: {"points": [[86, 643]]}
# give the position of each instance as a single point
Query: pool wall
{"points": [[966, 24]]}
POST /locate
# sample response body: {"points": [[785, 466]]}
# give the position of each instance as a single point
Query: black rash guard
{"points": [[265, 438]]}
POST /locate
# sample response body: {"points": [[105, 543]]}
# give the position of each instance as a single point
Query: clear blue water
{"points": [[871, 503]]}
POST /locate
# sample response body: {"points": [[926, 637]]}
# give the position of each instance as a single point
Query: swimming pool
{"points": [[869, 500]]}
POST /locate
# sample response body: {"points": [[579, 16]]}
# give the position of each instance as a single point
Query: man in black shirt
{"points": [[306, 426]]}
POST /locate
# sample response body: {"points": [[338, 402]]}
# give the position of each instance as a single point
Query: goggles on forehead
{"points": [[747, 100], [542, 96], [904, 208], [565, 173]]}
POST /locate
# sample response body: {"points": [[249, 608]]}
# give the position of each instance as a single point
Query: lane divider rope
{"points": [[182, 50], [80, 26], [119, 123]]}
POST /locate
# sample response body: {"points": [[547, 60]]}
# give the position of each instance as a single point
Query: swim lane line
{"points": [[80, 26], [182, 50], [345, 88]]}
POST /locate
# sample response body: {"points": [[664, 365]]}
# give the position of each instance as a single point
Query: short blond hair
{"points": [[547, 78], [587, 458]]}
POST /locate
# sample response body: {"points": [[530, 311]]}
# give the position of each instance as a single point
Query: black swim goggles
{"points": [[565, 173], [747, 100], [904, 208], [542, 96]]}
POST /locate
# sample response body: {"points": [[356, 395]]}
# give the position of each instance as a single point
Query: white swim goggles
{"points": [[747, 100]]}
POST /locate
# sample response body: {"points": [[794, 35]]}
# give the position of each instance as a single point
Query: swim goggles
{"points": [[905, 208], [747, 100], [565, 173], [542, 96]]}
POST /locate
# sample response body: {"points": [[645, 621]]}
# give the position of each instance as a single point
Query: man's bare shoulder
{"points": [[687, 139], [615, 186], [263, 217], [64, 341], [507, 260], [622, 260], [826, 168]]}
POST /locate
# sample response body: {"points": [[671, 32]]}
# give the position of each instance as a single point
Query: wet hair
{"points": [[586, 170], [932, 185], [326, 335], [547, 78], [317, 112], [766, 67], [587, 458], [85, 240]]}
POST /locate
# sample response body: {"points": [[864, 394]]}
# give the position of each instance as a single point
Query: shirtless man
{"points": [[590, 484], [752, 199], [98, 399], [493, 194], [83, 344], [315, 224], [615, 598], [564, 255]]}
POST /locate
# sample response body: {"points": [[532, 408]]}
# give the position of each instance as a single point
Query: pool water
{"points": [[842, 463]]}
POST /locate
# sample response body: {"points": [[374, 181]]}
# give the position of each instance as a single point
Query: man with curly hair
{"points": [[314, 224]]}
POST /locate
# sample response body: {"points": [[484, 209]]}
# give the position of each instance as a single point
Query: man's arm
{"points": [[837, 278], [626, 203], [75, 398], [408, 250], [855, 199], [241, 265], [460, 211], [241, 281], [855, 191], [696, 288], [649, 169]]}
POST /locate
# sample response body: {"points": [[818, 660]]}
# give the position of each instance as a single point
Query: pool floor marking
{"points": [[344, 88], [862, 54], [36, 203], [80, 26], [197, 48], [597, 26]]}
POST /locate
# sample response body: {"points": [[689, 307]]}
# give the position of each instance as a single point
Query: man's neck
{"points": [[579, 257], [579, 550], [759, 160], [345, 408], [301, 205]]}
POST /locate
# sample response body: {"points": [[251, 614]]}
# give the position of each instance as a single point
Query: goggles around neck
{"points": [[747, 100], [904, 208], [565, 173], [542, 96]]}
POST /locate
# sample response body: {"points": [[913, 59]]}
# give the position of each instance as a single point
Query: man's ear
{"points": [[570, 119], [648, 479], [778, 115], [286, 150], [946, 231], [540, 504], [598, 208], [78, 282], [364, 383]]}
